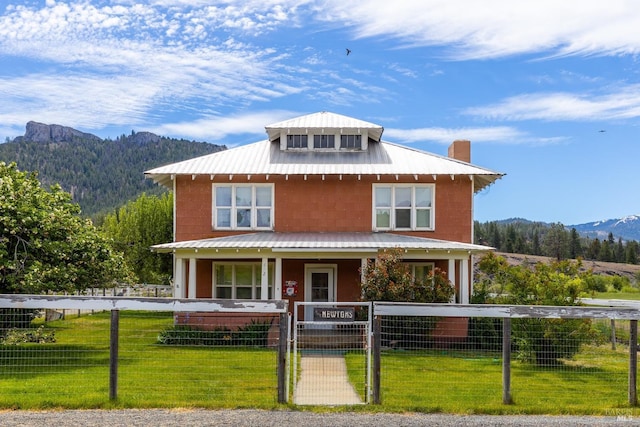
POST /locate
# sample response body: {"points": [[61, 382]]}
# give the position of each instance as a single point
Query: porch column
{"points": [[363, 267], [451, 275], [277, 286], [192, 278], [178, 278], [464, 281], [264, 279]]}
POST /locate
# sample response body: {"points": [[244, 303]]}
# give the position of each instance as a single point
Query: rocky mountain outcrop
{"points": [[40, 132], [100, 174]]}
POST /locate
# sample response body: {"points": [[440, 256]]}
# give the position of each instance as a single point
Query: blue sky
{"points": [[548, 92]]}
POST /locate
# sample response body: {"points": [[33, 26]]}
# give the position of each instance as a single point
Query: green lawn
{"points": [[74, 372], [465, 382], [632, 296]]}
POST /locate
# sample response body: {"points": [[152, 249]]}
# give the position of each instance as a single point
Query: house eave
{"points": [[365, 244]]}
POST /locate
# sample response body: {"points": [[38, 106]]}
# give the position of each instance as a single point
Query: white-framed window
{"points": [[243, 206], [351, 141], [421, 270], [324, 141], [240, 280], [403, 207], [297, 141]]}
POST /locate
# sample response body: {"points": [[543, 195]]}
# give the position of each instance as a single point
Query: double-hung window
{"points": [[421, 271], [240, 280], [403, 207], [239, 207]]}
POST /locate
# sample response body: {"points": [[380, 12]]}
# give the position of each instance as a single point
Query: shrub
{"points": [[38, 335], [390, 279], [255, 333], [541, 341]]}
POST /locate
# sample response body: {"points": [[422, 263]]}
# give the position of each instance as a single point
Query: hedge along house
{"points": [[297, 215]]}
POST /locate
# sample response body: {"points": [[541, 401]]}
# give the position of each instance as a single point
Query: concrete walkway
{"points": [[323, 381]]}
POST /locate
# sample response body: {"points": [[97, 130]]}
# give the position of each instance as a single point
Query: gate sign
{"points": [[332, 314]]}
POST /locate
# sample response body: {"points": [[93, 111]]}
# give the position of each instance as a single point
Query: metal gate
{"points": [[331, 353]]}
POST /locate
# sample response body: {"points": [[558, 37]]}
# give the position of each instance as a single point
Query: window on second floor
{"points": [[403, 207], [239, 207]]}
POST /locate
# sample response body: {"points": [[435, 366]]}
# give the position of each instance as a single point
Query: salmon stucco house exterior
{"points": [[297, 215]]}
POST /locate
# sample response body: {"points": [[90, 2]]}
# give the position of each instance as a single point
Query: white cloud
{"points": [[623, 103], [499, 134], [496, 28], [216, 128]]}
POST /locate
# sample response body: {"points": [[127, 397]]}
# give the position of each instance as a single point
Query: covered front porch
{"points": [[305, 266]]}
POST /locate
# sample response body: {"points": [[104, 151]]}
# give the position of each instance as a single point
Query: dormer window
{"points": [[353, 142], [297, 141], [324, 132], [324, 141]]}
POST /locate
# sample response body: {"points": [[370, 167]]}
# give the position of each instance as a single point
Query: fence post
{"points": [[376, 344], [282, 358], [633, 362], [506, 361], [613, 334], [113, 355]]}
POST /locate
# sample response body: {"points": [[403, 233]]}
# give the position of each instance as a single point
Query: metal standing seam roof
{"points": [[320, 242], [266, 158], [324, 120]]}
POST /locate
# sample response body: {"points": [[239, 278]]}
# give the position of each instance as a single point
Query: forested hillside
{"points": [[101, 175], [553, 240]]}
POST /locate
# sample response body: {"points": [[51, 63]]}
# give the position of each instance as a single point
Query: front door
{"points": [[319, 286]]}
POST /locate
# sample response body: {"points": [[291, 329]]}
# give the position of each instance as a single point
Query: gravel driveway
{"points": [[184, 418]]}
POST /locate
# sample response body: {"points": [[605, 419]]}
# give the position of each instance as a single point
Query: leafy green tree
{"points": [[544, 341], [45, 246], [556, 242], [135, 227]]}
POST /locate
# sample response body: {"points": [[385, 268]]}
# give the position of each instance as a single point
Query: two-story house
{"points": [[298, 214]]}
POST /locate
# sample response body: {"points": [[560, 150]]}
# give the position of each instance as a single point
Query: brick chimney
{"points": [[460, 149]]}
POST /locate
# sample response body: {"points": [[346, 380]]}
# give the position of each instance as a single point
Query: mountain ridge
{"points": [[100, 174], [627, 228]]}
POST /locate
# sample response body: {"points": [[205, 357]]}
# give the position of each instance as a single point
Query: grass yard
{"points": [[73, 372], [471, 383]]}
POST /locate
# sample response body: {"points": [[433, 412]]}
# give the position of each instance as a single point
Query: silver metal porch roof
{"points": [[266, 158], [321, 242]]}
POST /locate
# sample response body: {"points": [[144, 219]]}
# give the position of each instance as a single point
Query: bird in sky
{"points": [[348, 51]]}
